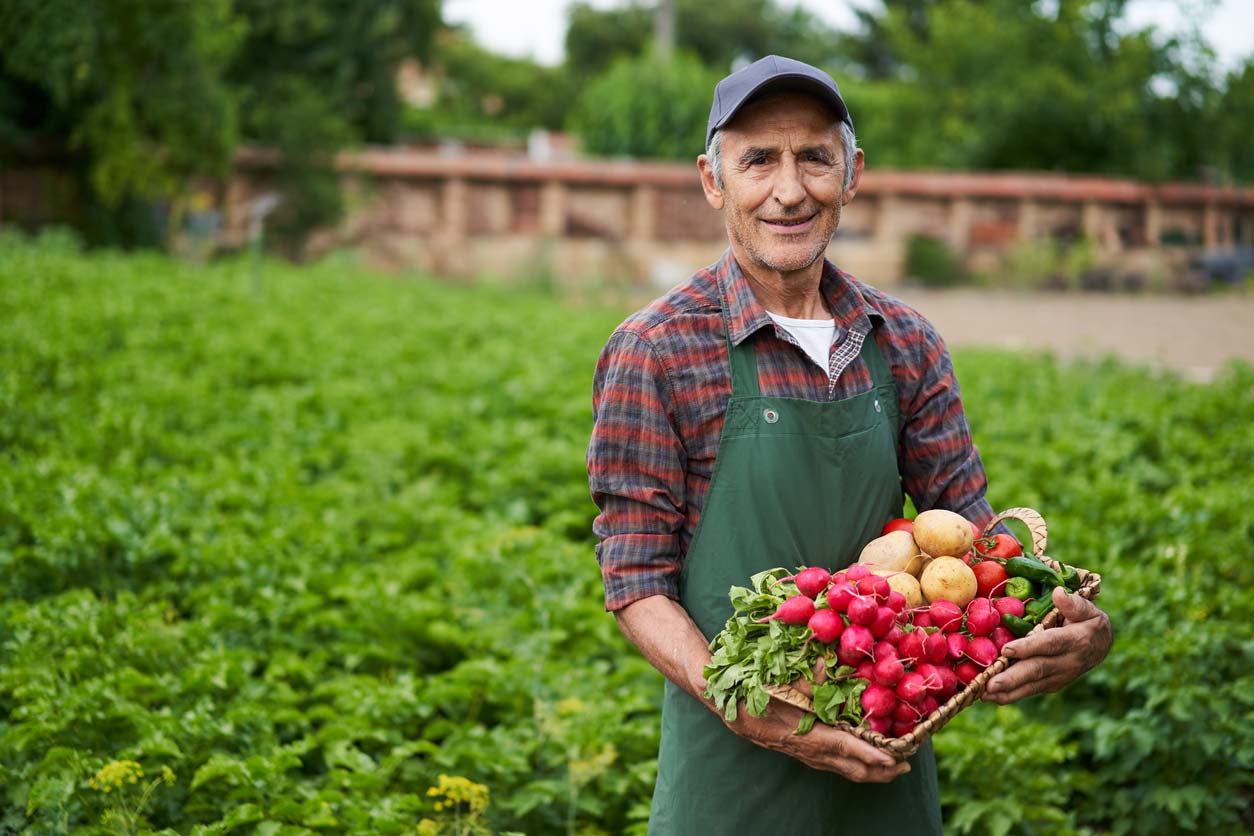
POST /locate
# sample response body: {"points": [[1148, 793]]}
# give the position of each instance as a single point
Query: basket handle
{"points": [[1032, 519]]}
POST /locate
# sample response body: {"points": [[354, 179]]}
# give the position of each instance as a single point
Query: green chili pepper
{"points": [[1020, 588], [1034, 570], [1016, 625], [1038, 608], [1070, 578]]}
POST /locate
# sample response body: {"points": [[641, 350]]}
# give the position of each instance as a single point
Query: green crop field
{"points": [[316, 559]]}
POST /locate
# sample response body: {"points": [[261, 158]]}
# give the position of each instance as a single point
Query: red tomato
{"points": [[968, 558], [990, 578], [999, 546], [899, 524], [976, 531]]}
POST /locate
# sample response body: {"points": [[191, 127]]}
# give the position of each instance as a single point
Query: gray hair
{"points": [[848, 141]]}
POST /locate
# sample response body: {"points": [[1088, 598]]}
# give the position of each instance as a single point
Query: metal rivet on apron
{"points": [[770, 415], [877, 405]]}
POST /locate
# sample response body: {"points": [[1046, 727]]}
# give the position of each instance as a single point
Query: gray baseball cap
{"points": [[771, 73]]}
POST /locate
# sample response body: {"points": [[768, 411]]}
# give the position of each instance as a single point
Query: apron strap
{"points": [[880, 371], [744, 364]]}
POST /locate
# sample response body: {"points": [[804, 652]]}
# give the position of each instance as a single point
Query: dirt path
{"points": [[1192, 336]]}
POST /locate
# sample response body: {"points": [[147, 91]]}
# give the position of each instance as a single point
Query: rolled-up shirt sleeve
{"points": [[940, 466], [636, 465]]}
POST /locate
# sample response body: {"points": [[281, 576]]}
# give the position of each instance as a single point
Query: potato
{"points": [[908, 586], [948, 579], [942, 533], [895, 551]]}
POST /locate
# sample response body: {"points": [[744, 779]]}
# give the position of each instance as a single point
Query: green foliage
{"points": [[484, 96], [313, 548], [717, 33], [647, 107], [932, 263], [1006, 84], [137, 90]]}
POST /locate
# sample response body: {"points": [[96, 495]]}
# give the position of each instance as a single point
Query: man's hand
{"points": [[823, 747], [670, 640], [1051, 659]]}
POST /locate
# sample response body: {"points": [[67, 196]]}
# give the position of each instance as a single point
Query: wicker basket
{"points": [[903, 747]]}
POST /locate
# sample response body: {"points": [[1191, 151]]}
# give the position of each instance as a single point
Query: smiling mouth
{"points": [[790, 224]]}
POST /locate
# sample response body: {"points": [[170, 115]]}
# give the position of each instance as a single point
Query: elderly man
{"points": [[769, 412]]}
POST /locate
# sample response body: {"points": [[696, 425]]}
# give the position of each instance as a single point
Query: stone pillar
{"points": [[450, 251], [553, 209], [1212, 234], [1029, 219], [959, 225], [642, 223], [1153, 223], [1093, 222], [890, 245]]}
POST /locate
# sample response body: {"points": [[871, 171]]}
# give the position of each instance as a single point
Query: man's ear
{"points": [[713, 194], [858, 160]]}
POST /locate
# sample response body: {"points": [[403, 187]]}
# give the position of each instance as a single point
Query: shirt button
{"points": [[877, 405], [770, 415]]}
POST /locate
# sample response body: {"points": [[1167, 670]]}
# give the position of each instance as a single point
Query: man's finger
{"points": [[1074, 607], [1028, 689], [1053, 642]]}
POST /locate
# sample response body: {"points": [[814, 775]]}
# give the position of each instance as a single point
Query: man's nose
{"points": [[789, 190]]}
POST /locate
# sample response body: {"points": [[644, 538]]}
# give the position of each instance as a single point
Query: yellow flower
{"points": [[116, 773]]}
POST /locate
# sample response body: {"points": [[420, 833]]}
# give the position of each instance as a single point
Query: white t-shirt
{"points": [[814, 335]]}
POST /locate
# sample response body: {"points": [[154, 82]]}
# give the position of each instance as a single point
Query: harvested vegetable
{"points": [[943, 533]]}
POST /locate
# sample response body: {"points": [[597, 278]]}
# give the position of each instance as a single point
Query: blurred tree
{"points": [[718, 33], [647, 107], [140, 96], [130, 95], [317, 75], [482, 95], [1005, 84]]}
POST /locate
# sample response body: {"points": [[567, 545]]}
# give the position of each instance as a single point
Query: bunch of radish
{"points": [[893, 648]]}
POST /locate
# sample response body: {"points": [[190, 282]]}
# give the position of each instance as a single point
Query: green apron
{"points": [[795, 482]]}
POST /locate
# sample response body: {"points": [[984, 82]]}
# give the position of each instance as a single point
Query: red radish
{"points": [[1009, 606], [946, 615], [894, 634], [906, 713], [856, 644], [931, 680], [796, 610], [888, 672], [827, 625], [935, 648], [865, 671], [966, 672], [982, 651], [840, 595], [910, 648], [856, 572], [878, 701], [883, 725], [922, 618], [982, 618], [927, 705], [885, 618], [896, 600], [1001, 637], [911, 687], [949, 683], [875, 585], [884, 650], [810, 581], [863, 610], [955, 646], [901, 729]]}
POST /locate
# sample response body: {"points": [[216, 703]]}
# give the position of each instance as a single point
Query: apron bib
{"points": [[796, 482]]}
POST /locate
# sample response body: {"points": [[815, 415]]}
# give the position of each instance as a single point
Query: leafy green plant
{"points": [[312, 548]]}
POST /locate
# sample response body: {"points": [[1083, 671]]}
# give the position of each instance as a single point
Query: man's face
{"points": [[783, 176]]}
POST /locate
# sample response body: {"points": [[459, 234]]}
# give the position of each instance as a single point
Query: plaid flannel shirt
{"points": [[661, 388]]}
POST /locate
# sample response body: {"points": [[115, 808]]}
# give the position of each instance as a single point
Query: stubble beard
{"points": [[740, 228]]}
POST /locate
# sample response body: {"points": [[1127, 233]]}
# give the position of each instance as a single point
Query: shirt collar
{"points": [[745, 315]]}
